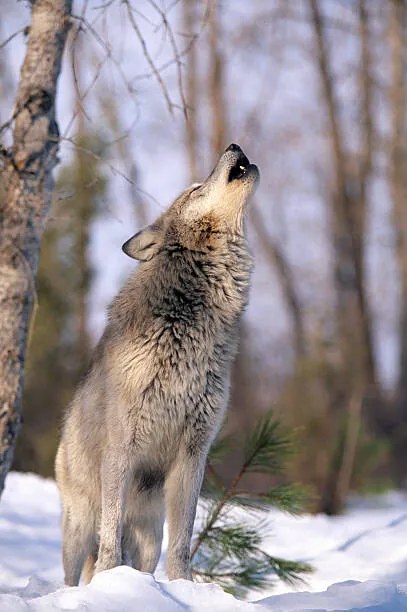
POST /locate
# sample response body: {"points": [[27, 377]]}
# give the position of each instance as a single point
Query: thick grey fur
{"points": [[136, 436]]}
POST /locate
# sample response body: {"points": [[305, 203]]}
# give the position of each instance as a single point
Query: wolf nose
{"points": [[234, 147]]}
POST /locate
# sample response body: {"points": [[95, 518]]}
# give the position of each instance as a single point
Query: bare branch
{"points": [[113, 168], [176, 55], [7, 124], [278, 261], [329, 95], [107, 49], [79, 97], [104, 6], [148, 57], [192, 41], [366, 91], [10, 38]]}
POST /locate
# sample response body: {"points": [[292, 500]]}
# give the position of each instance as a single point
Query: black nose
{"points": [[234, 147]]}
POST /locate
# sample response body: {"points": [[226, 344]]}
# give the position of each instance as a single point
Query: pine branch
{"points": [[213, 481], [221, 447], [235, 561], [230, 552], [288, 570], [267, 447], [287, 498], [265, 452], [233, 541]]}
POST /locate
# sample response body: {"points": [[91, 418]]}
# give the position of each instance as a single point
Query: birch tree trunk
{"points": [[28, 186]]}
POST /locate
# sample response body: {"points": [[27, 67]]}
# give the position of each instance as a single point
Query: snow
{"points": [[360, 562]]}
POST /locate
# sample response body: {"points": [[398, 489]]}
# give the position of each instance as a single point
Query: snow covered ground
{"points": [[365, 551]]}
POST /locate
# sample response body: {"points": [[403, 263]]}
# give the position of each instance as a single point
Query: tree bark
{"points": [[28, 181], [398, 190], [364, 176], [191, 128], [82, 221], [278, 261], [347, 461], [216, 82], [348, 218], [357, 375]]}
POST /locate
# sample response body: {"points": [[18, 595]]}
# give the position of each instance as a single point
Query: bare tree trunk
{"points": [[398, 189], [28, 182], [242, 392], [82, 221], [344, 265], [357, 374], [364, 175], [348, 221], [215, 83], [366, 105], [278, 261], [189, 19], [347, 460]]}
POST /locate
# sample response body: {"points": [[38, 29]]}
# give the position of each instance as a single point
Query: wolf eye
{"points": [[195, 188]]}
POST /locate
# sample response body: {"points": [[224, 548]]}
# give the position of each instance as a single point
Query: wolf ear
{"points": [[145, 244]]}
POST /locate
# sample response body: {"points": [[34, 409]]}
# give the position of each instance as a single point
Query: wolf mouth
{"points": [[239, 169]]}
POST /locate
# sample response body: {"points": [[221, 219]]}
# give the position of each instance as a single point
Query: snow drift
{"points": [[367, 544]]}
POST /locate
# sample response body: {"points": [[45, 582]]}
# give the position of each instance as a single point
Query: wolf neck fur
{"points": [[177, 284]]}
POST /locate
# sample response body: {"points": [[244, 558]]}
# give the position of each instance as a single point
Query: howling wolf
{"points": [[136, 436]]}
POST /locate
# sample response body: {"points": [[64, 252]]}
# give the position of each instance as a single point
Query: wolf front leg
{"points": [[115, 473], [77, 535], [182, 490]]}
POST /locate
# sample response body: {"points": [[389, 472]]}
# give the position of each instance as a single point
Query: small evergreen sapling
{"points": [[227, 551]]}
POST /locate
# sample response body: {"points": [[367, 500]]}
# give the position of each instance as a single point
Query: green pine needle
{"points": [[220, 447], [267, 447], [233, 540], [287, 498], [289, 570], [228, 552]]}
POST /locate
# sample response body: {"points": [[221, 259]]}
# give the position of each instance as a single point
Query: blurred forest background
{"points": [[315, 92]]}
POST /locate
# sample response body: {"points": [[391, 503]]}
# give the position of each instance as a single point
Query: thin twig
{"points": [[107, 50], [148, 57], [176, 55], [186, 49], [215, 475], [113, 168], [10, 38]]}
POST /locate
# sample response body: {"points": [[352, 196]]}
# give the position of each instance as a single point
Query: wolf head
{"points": [[205, 214]]}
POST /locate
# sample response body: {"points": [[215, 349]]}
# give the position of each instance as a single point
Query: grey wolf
{"points": [[136, 437]]}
